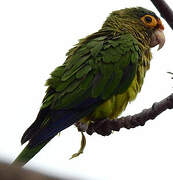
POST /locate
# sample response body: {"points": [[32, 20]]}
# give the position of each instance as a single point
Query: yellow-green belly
{"points": [[113, 107]]}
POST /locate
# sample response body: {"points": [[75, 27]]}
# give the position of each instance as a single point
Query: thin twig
{"points": [[165, 11]]}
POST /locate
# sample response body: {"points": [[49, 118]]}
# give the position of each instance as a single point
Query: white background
{"points": [[34, 37]]}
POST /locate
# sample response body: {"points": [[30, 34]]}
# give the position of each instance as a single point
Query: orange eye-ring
{"points": [[149, 21]]}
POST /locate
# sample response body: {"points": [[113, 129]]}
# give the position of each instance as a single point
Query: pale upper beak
{"points": [[158, 37]]}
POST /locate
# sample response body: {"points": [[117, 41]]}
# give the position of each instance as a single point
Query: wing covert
{"points": [[99, 68]]}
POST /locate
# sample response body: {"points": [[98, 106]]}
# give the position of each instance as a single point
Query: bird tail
{"points": [[48, 124], [27, 154]]}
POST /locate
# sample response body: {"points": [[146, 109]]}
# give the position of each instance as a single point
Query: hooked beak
{"points": [[158, 36]]}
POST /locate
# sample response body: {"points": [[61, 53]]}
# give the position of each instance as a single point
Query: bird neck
{"points": [[123, 26]]}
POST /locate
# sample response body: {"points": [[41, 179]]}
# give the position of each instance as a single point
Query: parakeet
{"points": [[100, 76]]}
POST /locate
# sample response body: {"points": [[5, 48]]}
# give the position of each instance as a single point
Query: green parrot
{"points": [[100, 76]]}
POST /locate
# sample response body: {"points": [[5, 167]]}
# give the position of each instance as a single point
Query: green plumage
{"points": [[101, 74], [94, 60]]}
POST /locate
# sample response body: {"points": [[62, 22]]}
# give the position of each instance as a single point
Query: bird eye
{"points": [[149, 21]]}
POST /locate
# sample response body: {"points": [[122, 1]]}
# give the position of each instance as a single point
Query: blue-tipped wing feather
{"points": [[60, 120]]}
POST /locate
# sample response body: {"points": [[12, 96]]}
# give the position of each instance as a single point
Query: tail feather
{"points": [[42, 136], [27, 154], [48, 124], [31, 131]]}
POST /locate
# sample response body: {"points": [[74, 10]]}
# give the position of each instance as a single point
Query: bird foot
{"points": [[82, 127], [101, 127]]}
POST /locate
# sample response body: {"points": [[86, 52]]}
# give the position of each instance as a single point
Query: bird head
{"points": [[144, 24]]}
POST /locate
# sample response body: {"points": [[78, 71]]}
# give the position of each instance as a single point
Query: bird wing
{"points": [[100, 66]]}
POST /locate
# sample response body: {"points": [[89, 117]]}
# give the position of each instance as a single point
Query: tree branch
{"points": [[165, 11], [106, 126]]}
